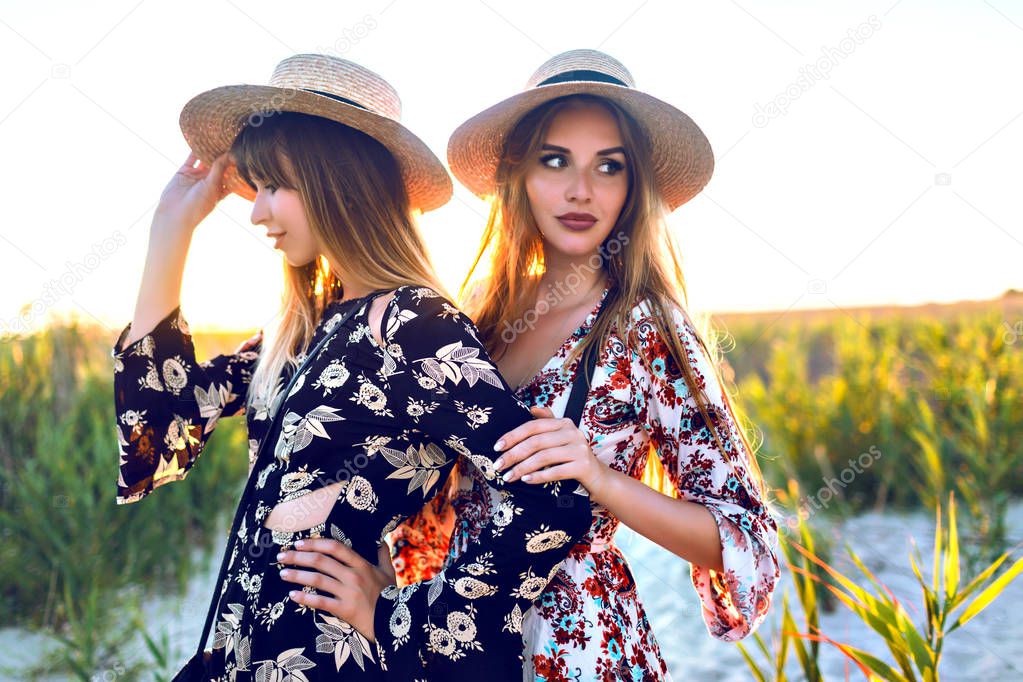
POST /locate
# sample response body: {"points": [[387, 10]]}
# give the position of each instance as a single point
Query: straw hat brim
{"points": [[211, 120], [682, 155]]}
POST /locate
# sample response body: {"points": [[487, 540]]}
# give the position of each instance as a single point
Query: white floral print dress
{"points": [[589, 623], [389, 422]]}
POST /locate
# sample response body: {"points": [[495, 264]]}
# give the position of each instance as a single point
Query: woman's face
{"points": [[578, 185], [281, 212]]}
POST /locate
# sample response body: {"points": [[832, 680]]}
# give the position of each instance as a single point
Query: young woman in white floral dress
{"points": [[358, 403], [583, 168]]}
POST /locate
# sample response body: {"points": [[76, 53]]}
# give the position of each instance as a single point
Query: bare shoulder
{"points": [[376, 314]]}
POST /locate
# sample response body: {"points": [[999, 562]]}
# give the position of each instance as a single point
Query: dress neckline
{"points": [[338, 304], [567, 343]]}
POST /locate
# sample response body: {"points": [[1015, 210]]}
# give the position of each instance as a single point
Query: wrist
{"points": [[601, 482], [171, 223]]}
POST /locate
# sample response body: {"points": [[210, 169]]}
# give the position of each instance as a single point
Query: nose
{"points": [[580, 188], [260, 210]]}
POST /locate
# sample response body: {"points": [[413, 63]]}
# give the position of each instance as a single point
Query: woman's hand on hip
{"points": [[349, 585], [550, 449]]}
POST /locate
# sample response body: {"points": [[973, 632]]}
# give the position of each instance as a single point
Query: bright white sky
{"points": [[841, 201]]}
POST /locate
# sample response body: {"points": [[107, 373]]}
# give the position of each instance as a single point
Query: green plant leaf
{"points": [[988, 595], [937, 549], [952, 556], [864, 661], [754, 668], [791, 634]]}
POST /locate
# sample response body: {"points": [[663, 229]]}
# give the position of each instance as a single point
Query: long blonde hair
{"points": [[358, 211], [650, 270]]}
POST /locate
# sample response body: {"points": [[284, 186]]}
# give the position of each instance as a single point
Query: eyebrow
{"points": [[602, 152]]}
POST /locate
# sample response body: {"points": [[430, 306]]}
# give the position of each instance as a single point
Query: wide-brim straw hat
{"points": [[682, 156], [321, 85]]}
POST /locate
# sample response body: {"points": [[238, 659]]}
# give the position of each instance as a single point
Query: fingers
{"points": [[530, 428], [196, 167], [315, 579], [384, 562], [214, 173], [331, 547], [326, 565], [318, 601], [531, 445], [555, 473], [544, 458], [249, 343], [220, 164], [189, 169]]}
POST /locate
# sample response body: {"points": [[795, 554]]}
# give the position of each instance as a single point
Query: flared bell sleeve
{"points": [[167, 403]]}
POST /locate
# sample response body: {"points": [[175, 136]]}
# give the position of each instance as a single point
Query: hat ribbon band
{"points": [[339, 98], [582, 75]]}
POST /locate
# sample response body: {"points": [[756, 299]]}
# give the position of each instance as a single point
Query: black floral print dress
{"points": [[387, 422]]}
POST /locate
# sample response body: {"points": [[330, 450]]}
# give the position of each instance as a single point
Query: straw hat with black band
{"points": [[322, 85], [682, 156]]}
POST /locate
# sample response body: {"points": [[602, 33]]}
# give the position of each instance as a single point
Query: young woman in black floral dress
{"points": [[396, 388]]}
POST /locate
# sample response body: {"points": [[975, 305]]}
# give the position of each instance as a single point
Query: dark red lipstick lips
{"points": [[577, 221]]}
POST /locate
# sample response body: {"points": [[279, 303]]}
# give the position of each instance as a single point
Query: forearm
{"points": [[160, 289], [685, 528]]}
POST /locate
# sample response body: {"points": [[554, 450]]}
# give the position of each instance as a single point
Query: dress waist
{"points": [[594, 546]]}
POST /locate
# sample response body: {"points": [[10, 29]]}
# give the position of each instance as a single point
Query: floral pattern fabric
{"points": [[589, 622], [387, 423]]}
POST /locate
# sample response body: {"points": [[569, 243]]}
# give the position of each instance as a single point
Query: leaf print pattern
{"points": [[384, 436], [287, 667], [421, 465], [212, 402], [298, 432], [455, 362], [343, 641]]}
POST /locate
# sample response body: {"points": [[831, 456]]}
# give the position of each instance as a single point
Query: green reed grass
{"points": [[70, 553]]}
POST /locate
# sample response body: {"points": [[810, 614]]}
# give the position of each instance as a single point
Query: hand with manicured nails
{"points": [[352, 583], [550, 449]]}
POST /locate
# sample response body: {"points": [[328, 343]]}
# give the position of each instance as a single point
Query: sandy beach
{"points": [[989, 647]]}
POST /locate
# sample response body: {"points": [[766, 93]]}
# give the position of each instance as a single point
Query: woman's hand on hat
{"points": [[550, 449], [348, 586], [194, 191]]}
